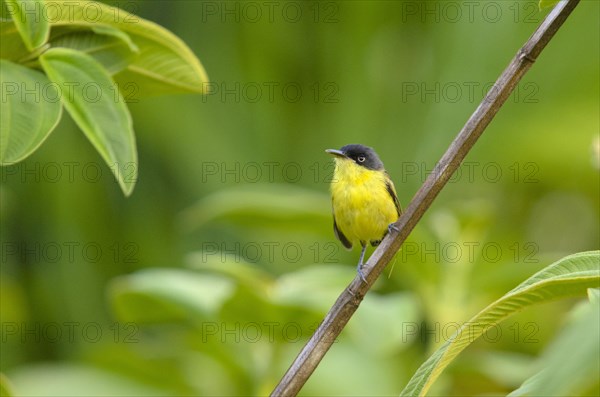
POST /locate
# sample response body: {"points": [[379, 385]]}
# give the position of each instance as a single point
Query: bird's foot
{"points": [[392, 226], [359, 270]]}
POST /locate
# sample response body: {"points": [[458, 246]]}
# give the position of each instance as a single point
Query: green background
{"points": [[210, 277]]}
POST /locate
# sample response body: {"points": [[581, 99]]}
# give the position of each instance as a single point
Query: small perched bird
{"points": [[363, 197]]}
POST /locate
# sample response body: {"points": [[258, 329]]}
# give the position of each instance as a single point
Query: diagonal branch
{"points": [[347, 303]]}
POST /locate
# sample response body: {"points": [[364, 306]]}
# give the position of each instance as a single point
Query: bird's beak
{"points": [[336, 153]]}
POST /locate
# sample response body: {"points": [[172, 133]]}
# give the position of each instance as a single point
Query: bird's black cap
{"points": [[362, 155]]}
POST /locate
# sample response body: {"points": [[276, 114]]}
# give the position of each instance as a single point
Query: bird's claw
{"points": [[392, 226], [360, 272]]}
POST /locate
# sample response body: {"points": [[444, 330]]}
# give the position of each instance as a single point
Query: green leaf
{"points": [[165, 63], [244, 273], [594, 295], [6, 389], [30, 108], [547, 3], [12, 47], [107, 45], [92, 99], [571, 363], [570, 276], [273, 201], [116, 33], [30, 20], [159, 295]]}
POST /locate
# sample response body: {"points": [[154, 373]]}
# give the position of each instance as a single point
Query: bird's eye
{"points": [[361, 159]]}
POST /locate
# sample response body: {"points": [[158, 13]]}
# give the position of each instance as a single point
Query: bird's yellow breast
{"points": [[362, 206]]}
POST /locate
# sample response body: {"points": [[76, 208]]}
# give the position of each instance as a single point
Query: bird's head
{"points": [[361, 155]]}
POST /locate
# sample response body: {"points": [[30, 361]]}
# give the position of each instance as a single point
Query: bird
{"points": [[363, 197]]}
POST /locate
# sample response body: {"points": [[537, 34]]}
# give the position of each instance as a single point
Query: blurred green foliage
{"points": [[210, 277], [580, 372]]}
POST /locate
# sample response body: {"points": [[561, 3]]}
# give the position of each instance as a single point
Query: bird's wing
{"points": [[340, 236], [389, 186]]}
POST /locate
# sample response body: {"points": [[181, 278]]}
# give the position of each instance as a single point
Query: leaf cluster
{"points": [[91, 59]]}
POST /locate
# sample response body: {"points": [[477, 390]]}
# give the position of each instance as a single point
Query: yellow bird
{"points": [[364, 199]]}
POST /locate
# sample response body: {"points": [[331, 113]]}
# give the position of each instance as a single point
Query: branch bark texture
{"points": [[347, 303]]}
